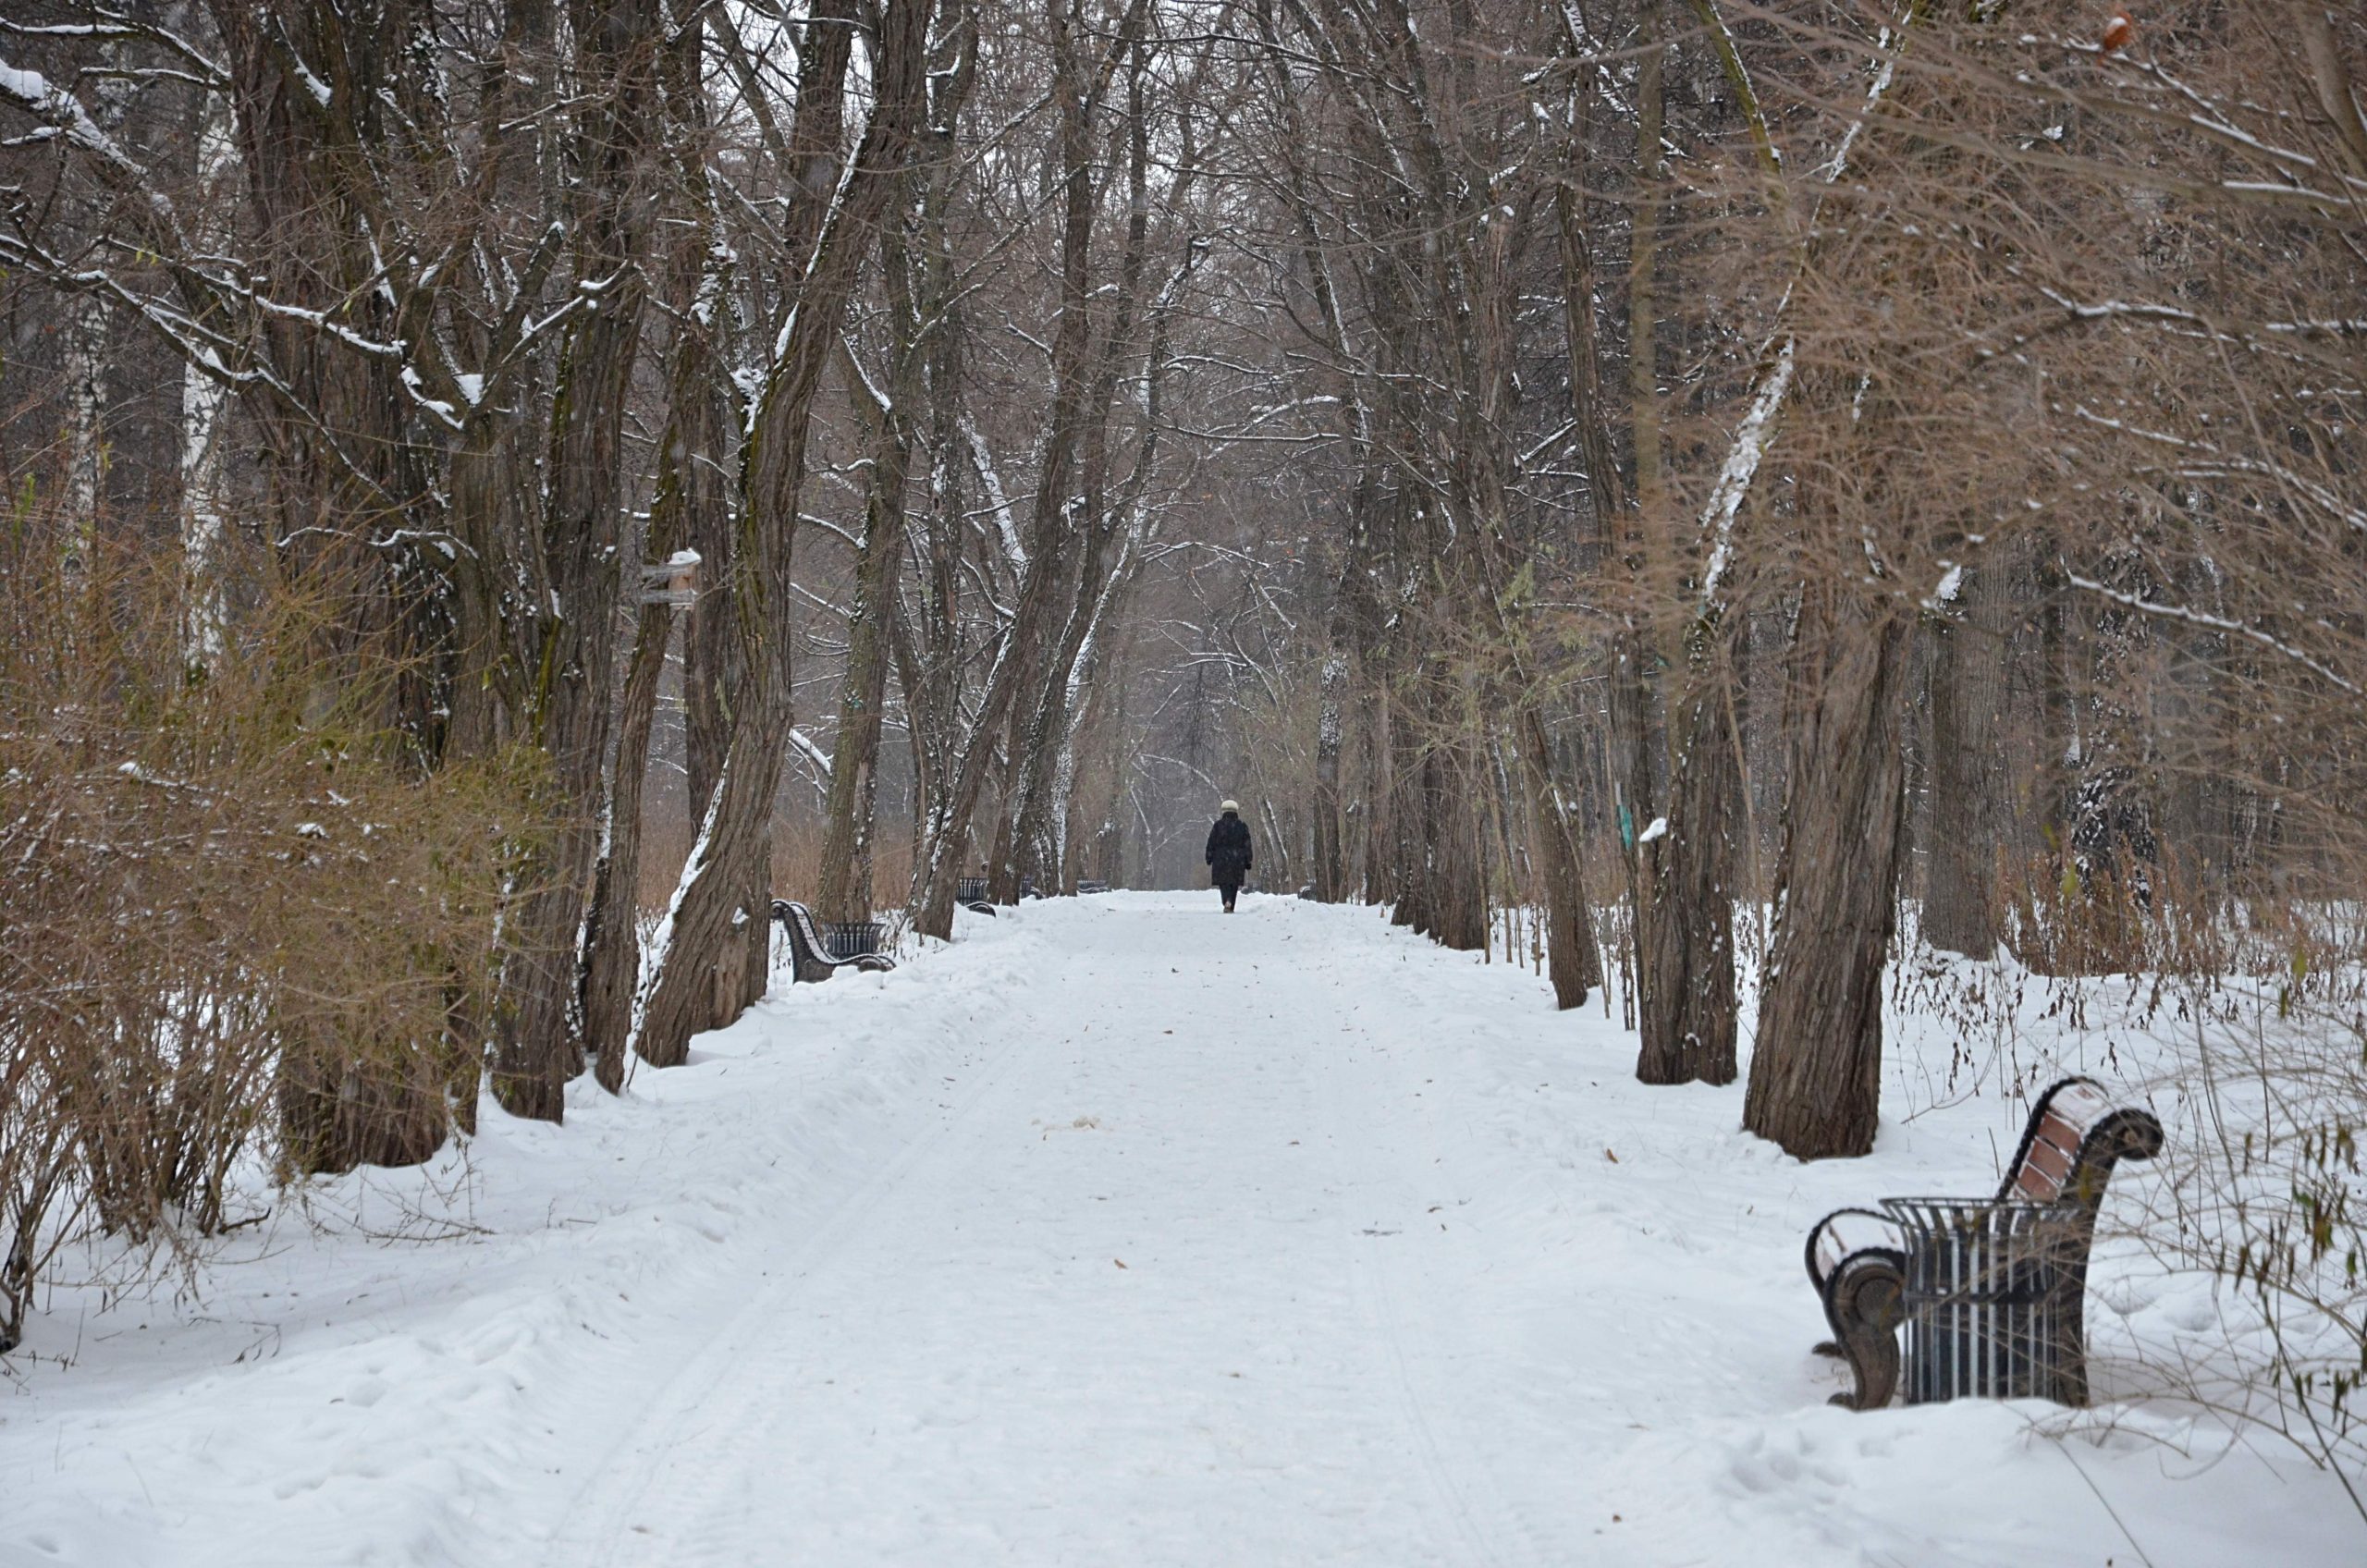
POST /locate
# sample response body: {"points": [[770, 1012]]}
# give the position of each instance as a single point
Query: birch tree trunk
{"points": [[204, 401]]}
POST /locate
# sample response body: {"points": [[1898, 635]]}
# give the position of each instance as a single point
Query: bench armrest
{"points": [[1846, 1233]]}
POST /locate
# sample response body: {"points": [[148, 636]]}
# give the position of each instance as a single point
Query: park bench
{"points": [[1990, 1293], [1091, 885], [970, 892], [810, 958]]}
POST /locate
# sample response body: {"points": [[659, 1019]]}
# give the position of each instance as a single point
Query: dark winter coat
{"points": [[1228, 852]]}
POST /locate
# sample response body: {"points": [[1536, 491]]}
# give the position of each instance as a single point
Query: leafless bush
{"points": [[238, 934], [2263, 1199]]}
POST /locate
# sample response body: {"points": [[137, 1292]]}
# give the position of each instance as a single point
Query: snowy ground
{"points": [[1116, 1233]]}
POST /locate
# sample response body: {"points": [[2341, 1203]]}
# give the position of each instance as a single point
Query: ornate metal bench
{"points": [[810, 957], [1991, 1292], [970, 892]]}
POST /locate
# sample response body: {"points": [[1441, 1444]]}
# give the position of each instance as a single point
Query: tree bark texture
{"points": [[568, 708], [1968, 823], [1331, 869], [1815, 1074], [693, 499], [612, 965], [1686, 1010]]}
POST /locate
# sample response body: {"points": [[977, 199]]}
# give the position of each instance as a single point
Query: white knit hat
{"points": [[1232, 805]]}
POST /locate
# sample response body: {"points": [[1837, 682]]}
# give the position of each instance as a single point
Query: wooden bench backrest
{"points": [[2076, 1134]]}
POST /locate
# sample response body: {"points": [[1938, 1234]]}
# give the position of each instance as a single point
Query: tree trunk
{"points": [[1686, 1010], [571, 684], [1968, 703], [613, 937], [1455, 900], [1683, 909], [1062, 514], [844, 890], [1331, 884], [1815, 1078], [1572, 960], [721, 910], [204, 403]]}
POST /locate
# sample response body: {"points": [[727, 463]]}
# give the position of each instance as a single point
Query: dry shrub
{"points": [[2267, 1200], [2063, 923], [797, 856], [239, 931]]}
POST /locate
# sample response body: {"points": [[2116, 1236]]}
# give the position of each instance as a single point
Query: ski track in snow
{"points": [[1413, 1273]]}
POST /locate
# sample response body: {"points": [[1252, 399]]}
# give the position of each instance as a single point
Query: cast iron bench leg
{"points": [[1861, 1301]]}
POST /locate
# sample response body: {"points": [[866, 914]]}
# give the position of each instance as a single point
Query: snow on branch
{"points": [[807, 747], [2213, 622], [108, 26], [34, 93], [1006, 525], [1743, 459], [2224, 464]]}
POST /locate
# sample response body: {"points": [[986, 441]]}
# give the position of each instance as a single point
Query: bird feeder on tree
{"points": [[674, 581]]}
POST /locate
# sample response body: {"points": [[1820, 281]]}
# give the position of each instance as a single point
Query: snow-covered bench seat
{"points": [[810, 956], [1870, 1268]]}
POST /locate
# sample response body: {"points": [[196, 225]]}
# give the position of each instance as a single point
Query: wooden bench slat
{"points": [[2046, 1167]]}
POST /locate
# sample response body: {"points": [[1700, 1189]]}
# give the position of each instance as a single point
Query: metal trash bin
{"points": [[850, 938], [1991, 1302]]}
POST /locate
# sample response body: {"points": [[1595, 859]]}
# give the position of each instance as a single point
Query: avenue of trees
{"points": [[1703, 492]]}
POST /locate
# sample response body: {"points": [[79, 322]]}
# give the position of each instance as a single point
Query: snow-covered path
{"points": [[1166, 1276], [1116, 1232]]}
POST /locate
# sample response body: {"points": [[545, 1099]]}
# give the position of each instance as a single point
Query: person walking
{"points": [[1229, 852]]}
